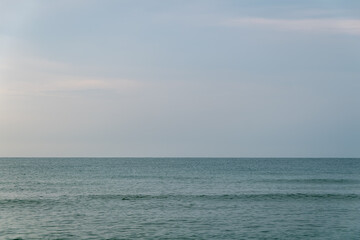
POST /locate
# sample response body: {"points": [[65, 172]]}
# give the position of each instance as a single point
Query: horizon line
{"points": [[178, 157]]}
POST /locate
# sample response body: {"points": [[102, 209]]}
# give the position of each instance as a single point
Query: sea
{"points": [[179, 198]]}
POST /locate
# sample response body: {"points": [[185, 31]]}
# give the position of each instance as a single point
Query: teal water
{"points": [[179, 198]]}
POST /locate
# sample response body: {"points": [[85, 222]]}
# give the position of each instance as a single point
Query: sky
{"points": [[191, 78]]}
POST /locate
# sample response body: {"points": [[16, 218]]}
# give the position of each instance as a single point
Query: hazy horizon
{"points": [[180, 78]]}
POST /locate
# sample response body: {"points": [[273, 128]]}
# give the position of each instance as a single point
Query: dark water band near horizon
{"points": [[179, 198]]}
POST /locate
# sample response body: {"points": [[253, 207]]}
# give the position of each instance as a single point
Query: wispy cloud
{"points": [[342, 26], [68, 84], [35, 76]]}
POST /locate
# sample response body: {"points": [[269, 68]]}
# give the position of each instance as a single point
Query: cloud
{"points": [[68, 84], [76, 83], [36, 76], [340, 26]]}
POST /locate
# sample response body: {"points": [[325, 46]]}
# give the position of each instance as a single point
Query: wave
{"points": [[315, 181], [180, 197], [263, 196], [21, 201]]}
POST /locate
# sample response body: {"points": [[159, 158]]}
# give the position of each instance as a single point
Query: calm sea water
{"points": [[177, 198]]}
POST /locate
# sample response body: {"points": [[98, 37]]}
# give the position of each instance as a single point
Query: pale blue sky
{"points": [[180, 78]]}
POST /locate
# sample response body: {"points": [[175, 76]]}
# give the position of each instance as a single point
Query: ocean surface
{"points": [[179, 198]]}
